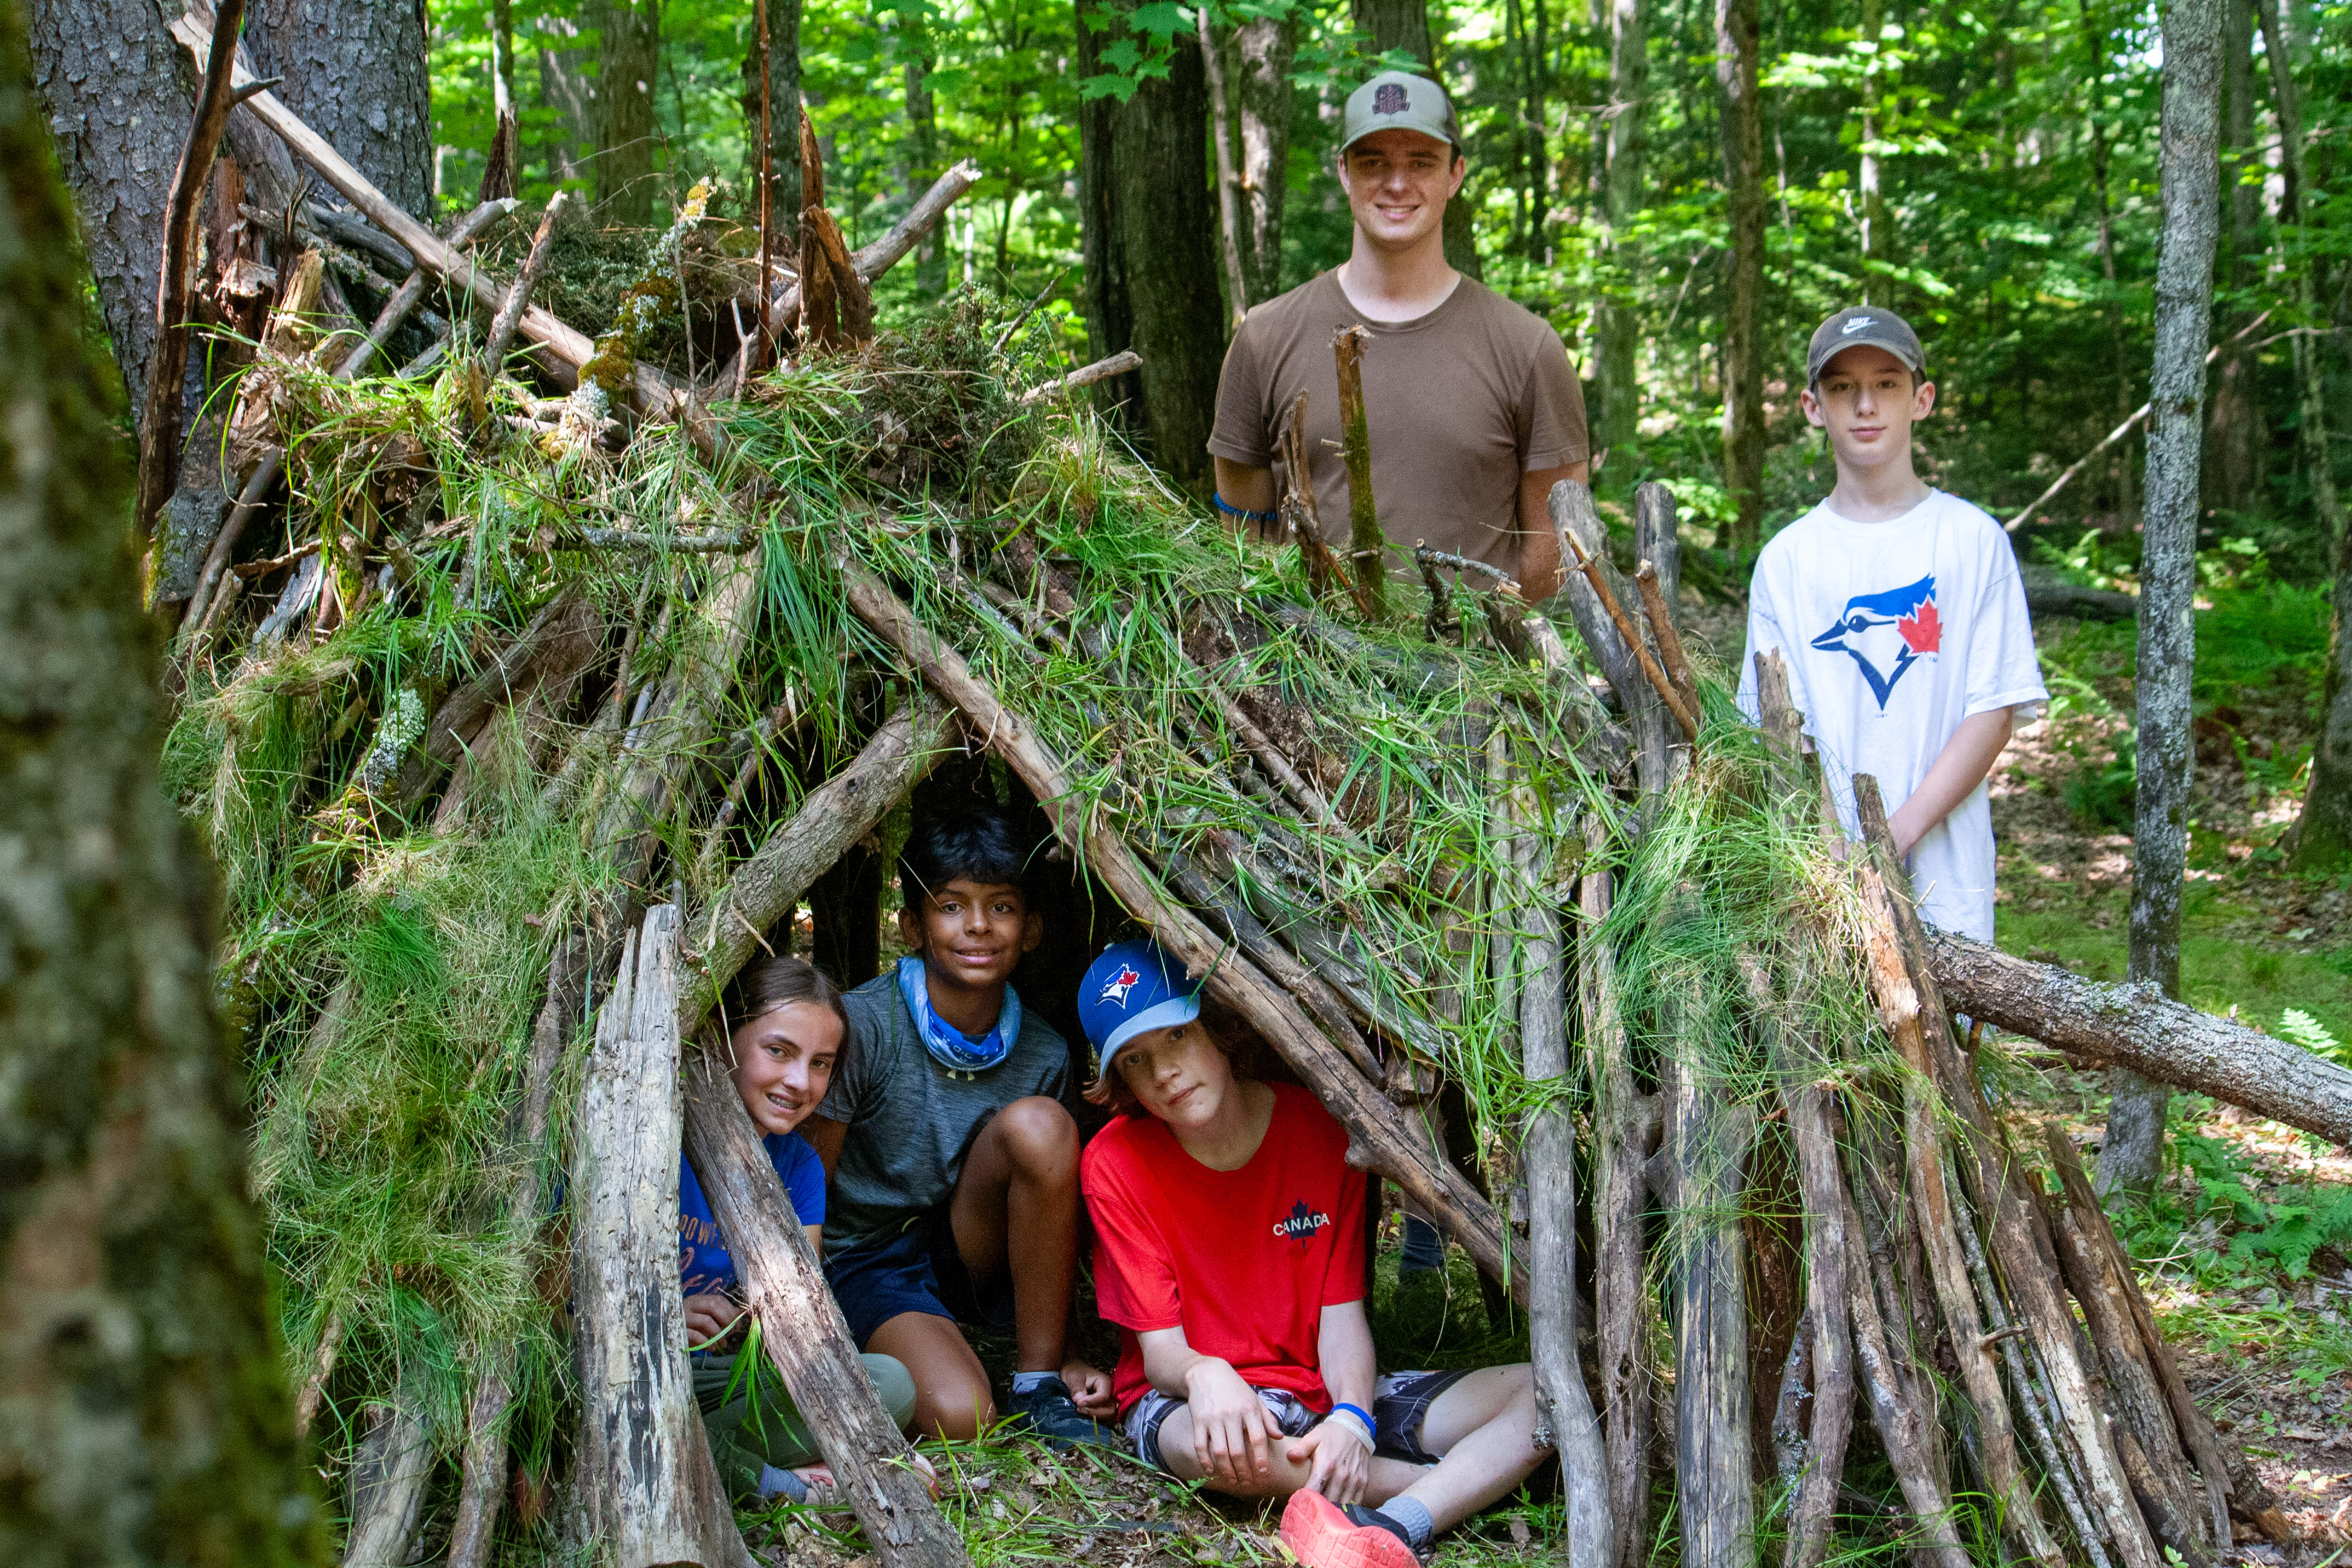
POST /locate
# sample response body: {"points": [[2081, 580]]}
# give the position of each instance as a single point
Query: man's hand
{"points": [[709, 1316], [1089, 1389], [1230, 1430], [1343, 1465]]}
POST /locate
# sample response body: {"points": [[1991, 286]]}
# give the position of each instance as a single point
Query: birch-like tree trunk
{"points": [[2132, 1156], [355, 73], [1739, 41], [1877, 242], [147, 1415], [1260, 52], [1624, 187]]}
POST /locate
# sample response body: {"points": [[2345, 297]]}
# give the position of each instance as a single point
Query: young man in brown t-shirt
{"points": [[1473, 411]]}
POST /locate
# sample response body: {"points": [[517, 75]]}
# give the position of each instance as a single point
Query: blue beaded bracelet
{"points": [[1230, 509]]}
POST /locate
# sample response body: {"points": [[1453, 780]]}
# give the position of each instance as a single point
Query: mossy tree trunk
{"points": [[148, 1416], [2131, 1158]]}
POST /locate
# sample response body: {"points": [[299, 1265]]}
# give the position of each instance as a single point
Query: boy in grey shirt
{"points": [[952, 1153]]}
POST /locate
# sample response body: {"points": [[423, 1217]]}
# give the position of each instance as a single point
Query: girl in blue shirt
{"points": [[789, 1034]]}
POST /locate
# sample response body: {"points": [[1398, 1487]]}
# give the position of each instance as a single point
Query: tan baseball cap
{"points": [[1400, 100], [1871, 324]]}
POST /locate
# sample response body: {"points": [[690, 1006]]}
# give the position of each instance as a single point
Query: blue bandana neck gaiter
{"points": [[954, 1049]]}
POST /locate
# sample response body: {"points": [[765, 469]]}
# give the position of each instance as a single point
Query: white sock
{"points": [[1029, 1382]]}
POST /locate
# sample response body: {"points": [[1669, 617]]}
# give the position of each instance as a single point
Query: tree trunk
{"points": [[2236, 435], [563, 86], [646, 1487], [2131, 1158], [922, 168], [1877, 243], [1737, 40], [1708, 1141], [1261, 50], [1404, 25], [1144, 169], [1625, 188], [785, 126], [627, 62], [2127, 508], [355, 73], [117, 94], [149, 1417], [1110, 306]]}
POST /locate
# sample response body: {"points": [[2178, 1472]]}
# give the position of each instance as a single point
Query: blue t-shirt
{"points": [[703, 1261]]}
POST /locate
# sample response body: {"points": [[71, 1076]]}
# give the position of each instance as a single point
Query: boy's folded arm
{"points": [[825, 1135], [1958, 769]]}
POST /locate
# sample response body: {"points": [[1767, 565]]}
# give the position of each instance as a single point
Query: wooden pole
{"points": [[1222, 129], [802, 1330], [1367, 545], [159, 423], [412, 290], [643, 1480], [509, 316]]}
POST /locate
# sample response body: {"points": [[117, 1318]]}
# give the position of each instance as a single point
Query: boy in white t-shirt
{"points": [[1901, 617]]}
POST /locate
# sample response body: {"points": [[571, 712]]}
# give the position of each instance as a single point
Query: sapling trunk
{"points": [[1367, 545]]}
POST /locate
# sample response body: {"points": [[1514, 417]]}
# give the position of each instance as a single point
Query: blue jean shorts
{"points": [[1400, 1402], [916, 1270]]}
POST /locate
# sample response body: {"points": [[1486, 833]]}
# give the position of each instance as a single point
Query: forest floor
{"points": [[2245, 1250]]}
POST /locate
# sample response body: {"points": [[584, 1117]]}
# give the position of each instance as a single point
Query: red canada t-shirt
{"points": [[1244, 1260]]}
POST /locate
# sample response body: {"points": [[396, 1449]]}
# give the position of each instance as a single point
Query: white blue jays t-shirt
{"points": [[1894, 633]]}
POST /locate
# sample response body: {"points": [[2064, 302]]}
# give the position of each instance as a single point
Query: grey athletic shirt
{"points": [[912, 1120]]}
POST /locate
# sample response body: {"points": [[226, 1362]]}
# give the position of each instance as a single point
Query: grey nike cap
{"points": [[1400, 100], [1871, 324]]}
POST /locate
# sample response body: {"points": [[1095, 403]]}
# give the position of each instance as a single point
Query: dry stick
{"points": [[835, 816], [387, 1477], [1900, 1013], [1367, 545], [2139, 1027], [322, 1366], [802, 1329], [1670, 641], [1622, 1301], [755, 354], [1118, 363], [412, 290], [783, 717], [2118, 433], [2032, 1397], [1550, 1155], [249, 501], [1300, 515], [482, 1477], [2021, 1247], [1625, 629], [1813, 1507], [1004, 336], [1901, 1424], [1377, 1140], [1228, 211], [167, 368], [643, 1478], [2204, 1445], [2155, 1462], [509, 316]]}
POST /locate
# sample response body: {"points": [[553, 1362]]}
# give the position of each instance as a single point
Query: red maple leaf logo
{"points": [[1923, 630]]}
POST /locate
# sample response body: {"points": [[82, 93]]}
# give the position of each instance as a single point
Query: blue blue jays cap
{"points": [[1132, 989]]}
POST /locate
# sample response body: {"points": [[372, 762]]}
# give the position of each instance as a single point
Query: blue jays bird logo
{"points": [[1886, 633], [1125, 981]]}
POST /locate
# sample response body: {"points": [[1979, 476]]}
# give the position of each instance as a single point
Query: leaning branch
{"points": [[1118, 363], [158, 426], [2137, 1026]]}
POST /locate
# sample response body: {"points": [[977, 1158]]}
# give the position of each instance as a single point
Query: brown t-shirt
{"points": [[1459, 404]]}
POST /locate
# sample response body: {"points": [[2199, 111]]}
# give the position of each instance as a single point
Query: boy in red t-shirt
{"points": [[1231, 1252]]}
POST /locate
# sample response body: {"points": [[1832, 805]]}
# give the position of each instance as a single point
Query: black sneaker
{"points": [[1049, 1412]]}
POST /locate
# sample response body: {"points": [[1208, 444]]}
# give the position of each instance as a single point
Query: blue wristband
{"points": [[1230, 509], [1358, 1412]]}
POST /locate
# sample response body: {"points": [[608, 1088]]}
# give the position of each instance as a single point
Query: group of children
{"points": [[926, 1132]]}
